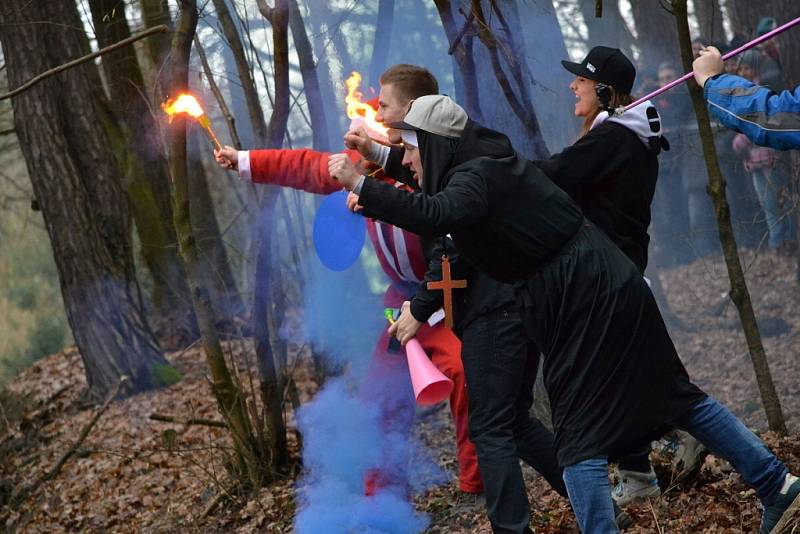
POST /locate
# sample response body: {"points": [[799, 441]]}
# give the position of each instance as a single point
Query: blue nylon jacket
{"points": [[767, 118]]}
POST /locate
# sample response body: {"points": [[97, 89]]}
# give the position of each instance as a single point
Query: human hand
{"points": [[227, 157], [707, 64], [406, 326], [342, 169], [394, 136], [360, 140], [352, 203]]}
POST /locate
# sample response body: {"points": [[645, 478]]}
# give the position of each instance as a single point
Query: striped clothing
{"points": [[399, 252]]}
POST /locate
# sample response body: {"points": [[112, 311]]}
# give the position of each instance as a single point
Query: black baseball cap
{"points": [[606, 65]]}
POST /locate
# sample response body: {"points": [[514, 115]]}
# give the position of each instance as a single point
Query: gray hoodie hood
{"points": [[643, 120]]}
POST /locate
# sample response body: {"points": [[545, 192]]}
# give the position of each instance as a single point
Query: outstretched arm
{"points": [[462, 203], [766, 118], [303, 169]]}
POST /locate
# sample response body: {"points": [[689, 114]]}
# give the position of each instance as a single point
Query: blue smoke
{"points": [[342, 318], [343, 442], [358, 427]]}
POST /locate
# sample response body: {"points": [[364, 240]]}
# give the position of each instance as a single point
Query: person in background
{"points": [[769, 172], [671, 220]]}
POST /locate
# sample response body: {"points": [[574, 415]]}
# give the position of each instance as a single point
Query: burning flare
{"points": [[361, 113], [188, 104]]}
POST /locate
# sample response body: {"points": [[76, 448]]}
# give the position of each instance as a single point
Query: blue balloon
{"points": [[338, 233]]}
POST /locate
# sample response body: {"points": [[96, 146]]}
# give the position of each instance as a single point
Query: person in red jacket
{"points": [[402, 258]]}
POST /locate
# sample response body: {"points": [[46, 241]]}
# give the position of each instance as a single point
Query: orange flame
{"points": [[185, 103], [188, 104], [358, 110]]}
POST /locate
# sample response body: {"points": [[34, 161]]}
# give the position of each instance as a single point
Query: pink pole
{"points": [[747, 46]]}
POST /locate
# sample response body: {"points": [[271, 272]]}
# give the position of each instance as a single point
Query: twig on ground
{"points": [[23, 493], [189, 421]]}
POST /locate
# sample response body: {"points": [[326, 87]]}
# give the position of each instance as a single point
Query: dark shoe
{"points": [[784, 514], [622, 519]]}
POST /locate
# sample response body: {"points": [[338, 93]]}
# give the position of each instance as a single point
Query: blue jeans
{"points": [[590, 495], [772, 189], [710, 423]]}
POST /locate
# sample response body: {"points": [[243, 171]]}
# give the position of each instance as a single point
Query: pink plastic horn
{"points": [[430, 385], [755, 42]]}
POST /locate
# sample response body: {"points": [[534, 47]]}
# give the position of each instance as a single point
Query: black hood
{"points": [[441, 154]]}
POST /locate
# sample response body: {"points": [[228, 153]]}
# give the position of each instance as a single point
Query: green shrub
{"points": [[165, 375], [47, 336]]}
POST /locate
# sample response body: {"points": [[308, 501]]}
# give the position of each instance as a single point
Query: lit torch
{"points": [[188, 104], [362, 114]]}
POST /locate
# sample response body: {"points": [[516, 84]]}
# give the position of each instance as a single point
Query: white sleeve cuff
{"points": [[244, 165], [379, 154], [359, 185]]}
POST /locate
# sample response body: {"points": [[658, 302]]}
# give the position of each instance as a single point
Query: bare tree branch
{"points": [[133, 38], [226, 112]]}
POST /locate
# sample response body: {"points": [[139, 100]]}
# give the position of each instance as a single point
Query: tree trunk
{"points": [[460, 39], [716, 189], [744, 15], [332, 93], [656, 30], [709, 18], [507, 105], [252, 461], [305, 56], [77, 183], [243, 68], [504, 56], [156, 12], [381, 42], [145, 170], [608, 30], [218, 275], [269, 298], [280, 56]]}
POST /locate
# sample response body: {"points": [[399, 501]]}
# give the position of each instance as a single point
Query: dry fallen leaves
{"points": [[130, 478]]}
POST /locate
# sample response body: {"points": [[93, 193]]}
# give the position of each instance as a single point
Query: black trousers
{"points": [[500, 363]]}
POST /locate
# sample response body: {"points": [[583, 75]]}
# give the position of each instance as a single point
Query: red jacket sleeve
{"points": [[302, 169]]}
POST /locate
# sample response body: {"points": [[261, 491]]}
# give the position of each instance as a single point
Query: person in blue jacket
{"points": [[765, 117]]}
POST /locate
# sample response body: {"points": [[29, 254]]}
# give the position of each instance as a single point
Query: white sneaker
{"points": [[685, 453], [634, 485]]}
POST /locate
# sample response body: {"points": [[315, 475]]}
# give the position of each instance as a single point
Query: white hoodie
{"points": [[640, 120]]}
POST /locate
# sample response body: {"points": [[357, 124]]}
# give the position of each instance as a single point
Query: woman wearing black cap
{"points": [[611, 170], [612, 373], [611, 173]]}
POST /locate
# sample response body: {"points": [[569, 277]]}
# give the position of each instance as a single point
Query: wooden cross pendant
{"points": [[447, 285]]}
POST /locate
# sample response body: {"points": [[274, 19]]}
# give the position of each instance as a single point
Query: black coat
{"points": [[612, 373], [482, 295], [612, 176], [502, 213]]}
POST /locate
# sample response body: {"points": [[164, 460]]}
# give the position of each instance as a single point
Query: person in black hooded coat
{"points": [[612, 373]]}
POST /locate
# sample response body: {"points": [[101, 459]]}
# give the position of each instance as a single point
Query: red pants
{"points": [[444, 349]]}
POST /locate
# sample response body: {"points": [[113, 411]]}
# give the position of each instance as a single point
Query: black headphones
{"points": [[604, 95]]}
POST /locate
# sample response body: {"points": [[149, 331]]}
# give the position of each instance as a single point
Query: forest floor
{"points": [[134, 474]]}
